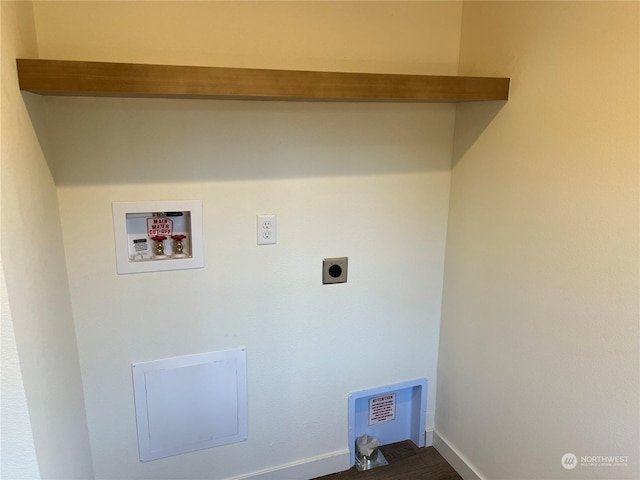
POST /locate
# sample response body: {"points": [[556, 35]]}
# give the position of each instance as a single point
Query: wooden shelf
{"points": [[61, 77]]}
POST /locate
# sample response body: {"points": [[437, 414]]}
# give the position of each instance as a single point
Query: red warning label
{"points": [[382, 409]]}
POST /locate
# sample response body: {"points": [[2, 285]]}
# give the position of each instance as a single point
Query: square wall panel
{"points": [[190, 403]]}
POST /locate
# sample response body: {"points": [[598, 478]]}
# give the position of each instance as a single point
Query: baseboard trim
{"points": [[338, 461], [458, 461], [308, 468]]}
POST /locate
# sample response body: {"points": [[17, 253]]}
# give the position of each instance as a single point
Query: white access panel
{"points": [[190, 403]]}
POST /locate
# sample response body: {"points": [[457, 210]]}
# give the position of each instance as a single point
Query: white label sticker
{"points": [[382, 409], [141, 245]]}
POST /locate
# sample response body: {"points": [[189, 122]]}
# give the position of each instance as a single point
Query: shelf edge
{"points": [[78, 78]]}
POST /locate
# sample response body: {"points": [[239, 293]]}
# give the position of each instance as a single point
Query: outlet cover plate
{"points": [[334, 270], [267, 229]]}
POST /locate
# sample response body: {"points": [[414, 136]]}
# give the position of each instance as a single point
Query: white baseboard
{"points": [[303, 469], [339, 461], [460, 464]]}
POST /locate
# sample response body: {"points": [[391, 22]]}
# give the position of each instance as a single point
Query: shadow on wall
{"points": [[471, 120], [131, 141]]}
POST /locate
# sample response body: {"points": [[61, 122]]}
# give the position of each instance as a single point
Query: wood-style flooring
{"points": [[406, 462]]}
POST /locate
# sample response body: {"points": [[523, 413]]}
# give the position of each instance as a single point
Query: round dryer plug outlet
{"points": [[334, 270]]}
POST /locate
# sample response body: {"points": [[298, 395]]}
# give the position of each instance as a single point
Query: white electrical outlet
{"points": [[267, 230]]}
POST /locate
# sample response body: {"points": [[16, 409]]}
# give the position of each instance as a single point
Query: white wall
{"points": [[40, 368], [370, 182], [18, 458], [539, 336], [308, 345]]}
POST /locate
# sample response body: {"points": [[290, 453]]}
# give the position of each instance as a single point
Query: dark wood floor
{"points": [[406, 462]]}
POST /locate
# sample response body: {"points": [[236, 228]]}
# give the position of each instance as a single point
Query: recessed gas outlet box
{"points": [[391, 413], [334, 270]]}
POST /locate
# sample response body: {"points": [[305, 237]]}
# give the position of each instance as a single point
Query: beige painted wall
{"points": [[366, 181], [395, 37], [18, 459], [39, 342], [539, 336]]}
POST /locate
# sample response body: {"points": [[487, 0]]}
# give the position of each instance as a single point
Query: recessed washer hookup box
{"points": [[158, 235]]}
